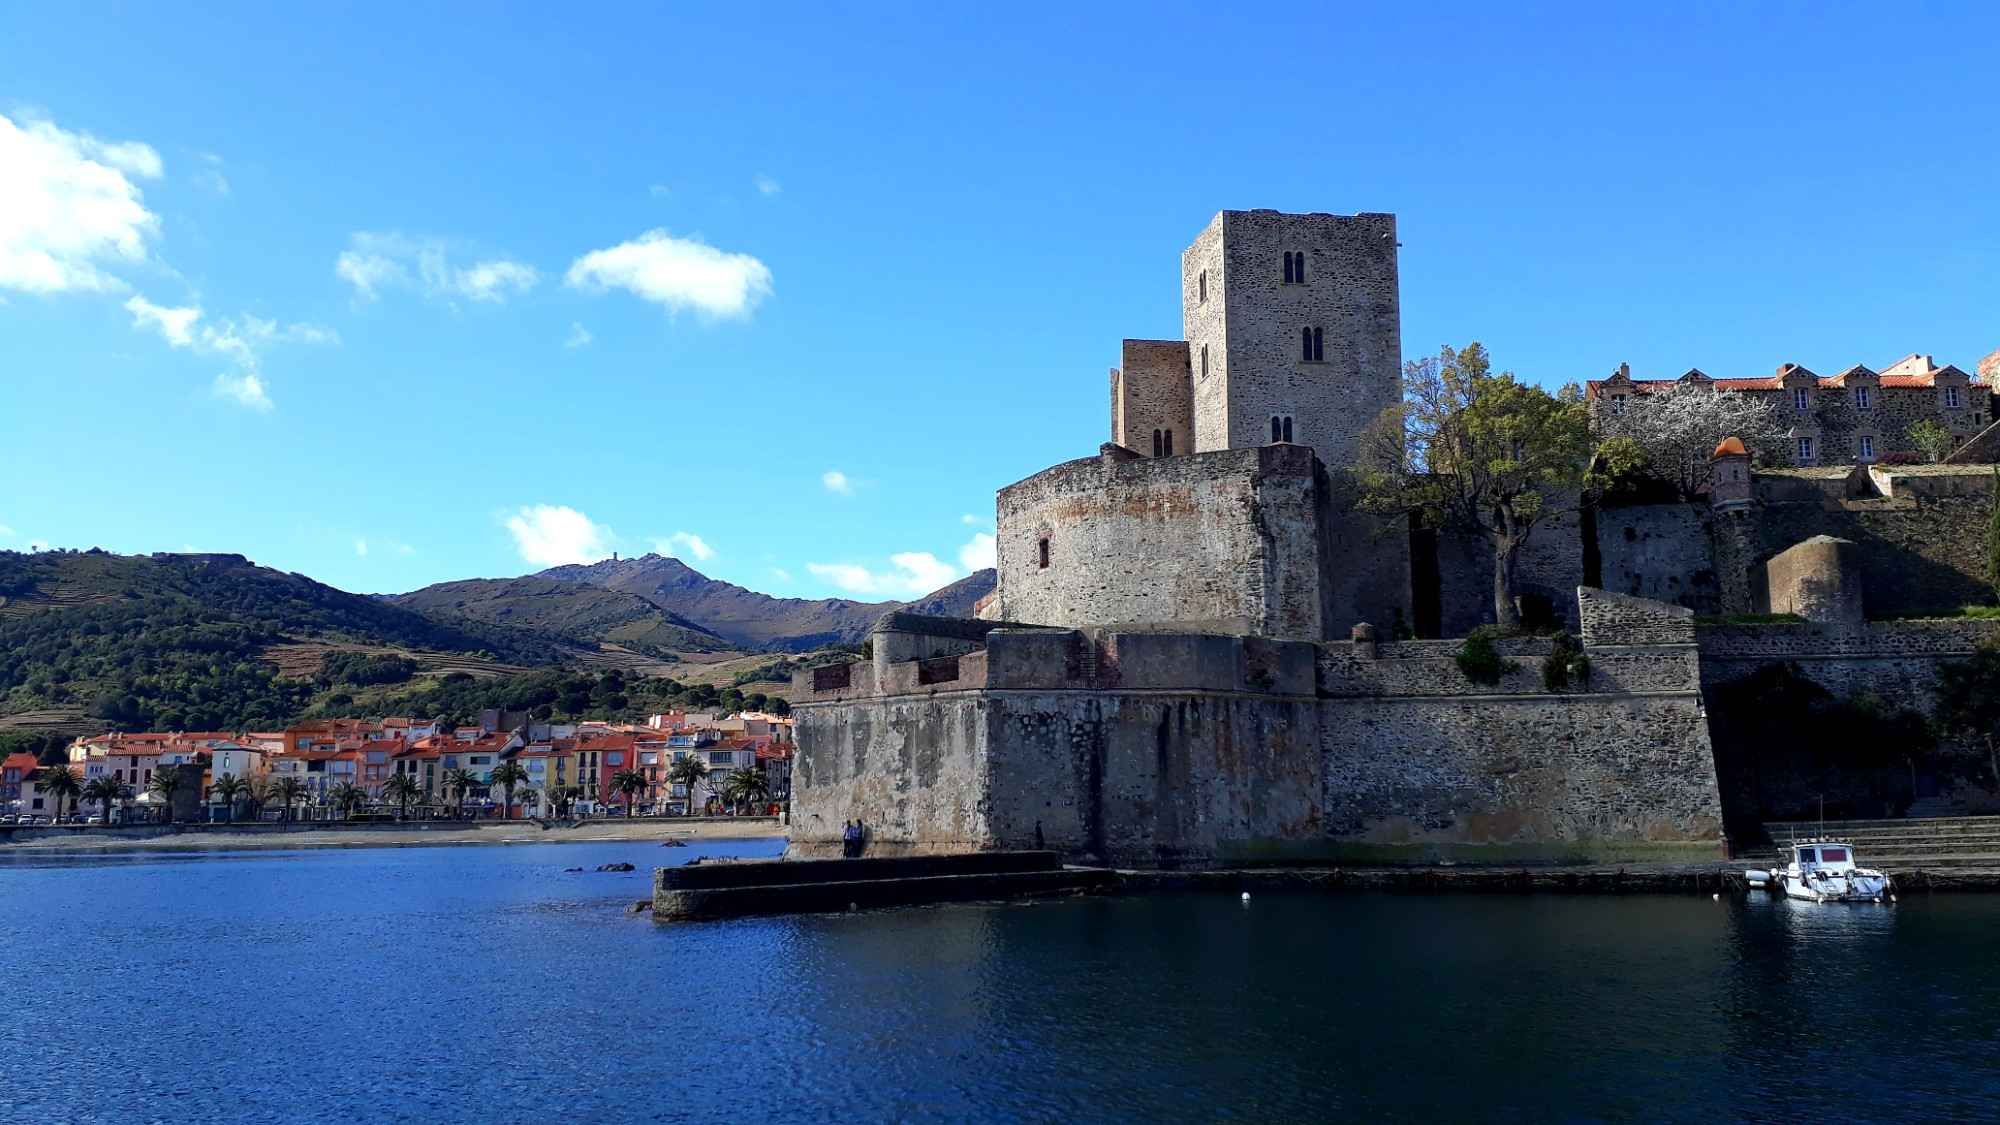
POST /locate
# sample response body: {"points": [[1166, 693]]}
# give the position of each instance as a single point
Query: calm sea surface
{"points": [[486, 984]]}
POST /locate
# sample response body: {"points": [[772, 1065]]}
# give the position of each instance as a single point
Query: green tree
{"points": [[746, 786], [106, 791], [60, 782], [402, 788], [348, 798], [460, 783], [507, 775], [287, 790], [1932, 441], [1483, 452], [164, 784], [630, 783], [688, 770], [229, 787], [561, 797], [1993, 537]]}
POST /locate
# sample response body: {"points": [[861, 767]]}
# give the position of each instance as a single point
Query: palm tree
{"points": [[348, 797], [507, 775], [631, 783], [164, 784], [402, 788], [746, 786], [688, 770], [287, 790], [229, 787], [106, 791], [461, 782], [59, 781]]}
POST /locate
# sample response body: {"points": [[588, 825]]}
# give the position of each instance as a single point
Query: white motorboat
{"points": [[1825, 871]]}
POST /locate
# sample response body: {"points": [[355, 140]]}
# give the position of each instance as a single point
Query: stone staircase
{"points": [[1899, 845]]}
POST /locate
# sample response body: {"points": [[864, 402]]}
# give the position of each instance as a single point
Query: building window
{"points": [[1295, 267], [1312, 345], [1204, 359], [1042, 550], [1801, 399], [1170, 443], [1805, 449], [1156, 444], [1281, 428], [1276, 429], [1867, 448], [1617, 404], [1201, 288], [1861, 398], [1951, 398]]}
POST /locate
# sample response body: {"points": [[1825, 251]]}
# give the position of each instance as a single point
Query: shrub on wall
{"points": [[1479, 660], [1566, 665]]}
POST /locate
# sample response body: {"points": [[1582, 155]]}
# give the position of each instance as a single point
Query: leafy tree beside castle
{"points": [[1930, 439], [1480, 451]]}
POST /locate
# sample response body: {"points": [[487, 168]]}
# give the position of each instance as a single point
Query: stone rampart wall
{"points": [[912, 768], [1896, 660]]}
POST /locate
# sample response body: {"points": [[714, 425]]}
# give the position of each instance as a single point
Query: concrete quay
{"points": [[712, 890]]}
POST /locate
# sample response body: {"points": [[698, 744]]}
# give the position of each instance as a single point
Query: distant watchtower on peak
{"points": [[1293, 334]]}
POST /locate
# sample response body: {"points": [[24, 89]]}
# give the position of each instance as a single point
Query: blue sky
{"points": [[394, 294]]}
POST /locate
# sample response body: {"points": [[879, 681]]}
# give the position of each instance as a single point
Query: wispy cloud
{"points": [[376, 261], [579, 336], [836, 481], [548, 535], [677, 274], [69, 210], [658, 191], [241, 342], [361, 547], [210, 179], [781, 574], [682, 544], [915, 572], [768, 187]]}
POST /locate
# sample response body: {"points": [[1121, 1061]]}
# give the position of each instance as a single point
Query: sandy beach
{"points": [[47, 841]]}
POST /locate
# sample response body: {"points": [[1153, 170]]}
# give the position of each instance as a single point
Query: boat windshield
{"points": [[1833, 855]]}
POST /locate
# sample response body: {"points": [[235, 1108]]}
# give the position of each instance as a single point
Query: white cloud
{"points": [[547, 535], [676, 273], [68, 208], [658, 190], [978, 554], [578, 335], [836, 481], [241, 342], [682, 544], [974, 520], [916, 572], [782, 574], [361, 547], [767, 187], [211, 179], [378, 261], [244, 389]]}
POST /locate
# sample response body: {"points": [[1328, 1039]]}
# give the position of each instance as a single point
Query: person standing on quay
{"points": [[850, 838]]}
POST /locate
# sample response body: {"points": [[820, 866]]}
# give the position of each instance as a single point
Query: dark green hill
{"points": [[568, 609], [183, 641]]}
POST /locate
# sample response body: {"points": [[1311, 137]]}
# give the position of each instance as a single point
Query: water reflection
{"points": [[454, 984]]}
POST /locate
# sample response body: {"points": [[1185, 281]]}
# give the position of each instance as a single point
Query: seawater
{"points": [[488, 984]]}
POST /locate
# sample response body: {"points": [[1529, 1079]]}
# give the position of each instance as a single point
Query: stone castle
{"points": [[1195, 653]]}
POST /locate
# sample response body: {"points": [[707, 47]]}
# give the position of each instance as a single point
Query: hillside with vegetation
{"points": [[185, 642], [567, 609], [756, 620]]}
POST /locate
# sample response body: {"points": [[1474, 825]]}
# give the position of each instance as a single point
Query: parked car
{"points": [[9, 818]]}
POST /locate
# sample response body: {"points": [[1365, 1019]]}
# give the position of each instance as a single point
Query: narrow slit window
{"points": [[1201, 288], [1156, 443], [1288, 267], [1204, 359], [1277, 431], [1288, 429], [1170, 443], [1042, 551]]}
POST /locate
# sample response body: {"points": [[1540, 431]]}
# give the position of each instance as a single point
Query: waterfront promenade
{"points": [[286, 837]]}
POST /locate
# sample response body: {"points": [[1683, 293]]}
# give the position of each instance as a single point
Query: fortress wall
{"points": [[913, 767], [1663, 552], [1897, 660], [1550, 565], [1155, 392], [1217, 542]]}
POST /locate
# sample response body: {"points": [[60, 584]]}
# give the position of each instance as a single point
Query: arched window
{"points": [[1170, 443], [1156, 443], [1277, 430], [1288, 267], [1299, 268], [1288, 429], [1305, 343], [1312, 344]]}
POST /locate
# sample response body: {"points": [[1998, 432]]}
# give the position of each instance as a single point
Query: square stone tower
{"points": [[1294, 330]]}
